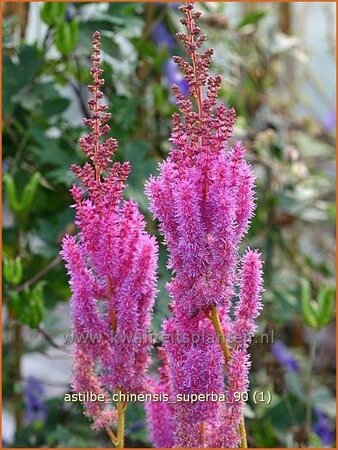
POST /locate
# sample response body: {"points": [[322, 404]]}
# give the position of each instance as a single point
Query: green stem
{"points": [[219, 331], [242, 432], [16, 371], [120, 423], [308, 413], [112, 436]]}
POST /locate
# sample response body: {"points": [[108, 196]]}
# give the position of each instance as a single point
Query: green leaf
{"points": [[28, 305], [30, 62], [107, 22], [12, 198], [252, 17], [52, 13], [30, 191], [32, 308], [12, 270], [55, 106], [325, 301], [18, 75], [308, 308], [137, 152], [66, 36], [44, 99], [122, 10]]}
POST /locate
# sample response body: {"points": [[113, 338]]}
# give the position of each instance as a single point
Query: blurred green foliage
{"points": [[44, 95]]}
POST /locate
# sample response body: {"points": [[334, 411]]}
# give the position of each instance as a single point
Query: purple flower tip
{"points": [[161, 36], [35, 407], [323, 428], [284, 357], [174, 76], [329, 121]]}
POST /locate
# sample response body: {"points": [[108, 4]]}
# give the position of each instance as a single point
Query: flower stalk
{"points": [[120, 422], [112, 436], [218, 327]]}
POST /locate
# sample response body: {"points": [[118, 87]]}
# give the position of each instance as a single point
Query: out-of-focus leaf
{"points": [[136, 152], [34, 308], [35, 311], [107, 22], [122, 10], [30, 62], [308, 308], [12, 270], [317, 314], [325, 300], [66, 36], [53, 13], [43, 99], [18, 75], [28, 305], [11, 193], [253, 17], [30, 191]]}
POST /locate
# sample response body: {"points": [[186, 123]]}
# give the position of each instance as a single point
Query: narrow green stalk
{"points": [[112, 436], [18, 348], [312, 355], [217, 325], [118, 438], [242, 432], [120, 423]]}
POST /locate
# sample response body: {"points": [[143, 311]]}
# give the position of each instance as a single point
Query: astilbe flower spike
{"points": [[160, 413], [112, 267], [203, 199]]}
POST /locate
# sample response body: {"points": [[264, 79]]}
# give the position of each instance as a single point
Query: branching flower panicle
{"points": [[112, 267], [203, 199]]}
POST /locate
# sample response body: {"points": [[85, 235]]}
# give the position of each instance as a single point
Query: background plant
{"points": [[291, 145]]}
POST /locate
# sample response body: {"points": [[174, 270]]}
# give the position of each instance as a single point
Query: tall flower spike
{"points": [[224, 433], [159, 413], [112, 267], [203, 199], [160, 419], [249, 305], [99, 153]]}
